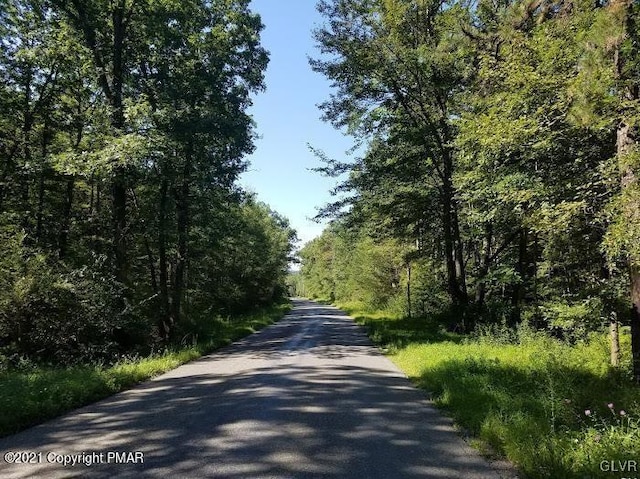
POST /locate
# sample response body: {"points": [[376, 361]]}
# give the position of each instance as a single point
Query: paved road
{"points": [[308, 397]]}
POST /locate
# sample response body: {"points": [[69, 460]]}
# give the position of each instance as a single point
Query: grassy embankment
{"points": [[555, 410], [30, 396]]}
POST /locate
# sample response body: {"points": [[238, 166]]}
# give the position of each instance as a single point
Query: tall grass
{"points": [[34, 394], [555, 410]]}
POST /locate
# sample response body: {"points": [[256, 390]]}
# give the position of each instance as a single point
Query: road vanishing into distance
{"points": [[308, 397]]}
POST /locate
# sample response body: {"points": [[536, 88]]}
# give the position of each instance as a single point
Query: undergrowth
{"points": [[30, 394], [556, 410]]}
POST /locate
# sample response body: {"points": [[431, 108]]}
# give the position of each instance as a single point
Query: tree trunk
{"points": [[626, 144], [40, 207], [518, 294], [27, 128], [119, 189], [181, 260], [409, 288], [63, 237], [42, 183], [635, 321], [92, 182], [615, 340], [147, 244], [485, 261], [119, 198], [98, 204], [182, 213], [452, 280], [452, 243], [165, 322], [459, 255]]}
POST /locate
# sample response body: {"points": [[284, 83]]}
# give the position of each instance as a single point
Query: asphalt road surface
{"points": [[308, 397]]}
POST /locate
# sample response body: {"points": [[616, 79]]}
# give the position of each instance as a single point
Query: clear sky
{"points": [[288, 119]]}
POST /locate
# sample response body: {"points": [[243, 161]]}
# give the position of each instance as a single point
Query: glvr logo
{"points": [[619, 466]]}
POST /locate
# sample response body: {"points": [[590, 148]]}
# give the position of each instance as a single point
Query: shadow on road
{"points": [[308, 397]]}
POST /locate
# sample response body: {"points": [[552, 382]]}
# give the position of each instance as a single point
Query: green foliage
{"points": [[621, 239], [56, 316], [251, 252], [522, 395], [29, 394], [123, 130], [500, 145], [343, 267], [295, 284]]}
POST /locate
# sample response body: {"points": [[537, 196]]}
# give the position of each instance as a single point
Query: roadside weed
{"points": [[523, 395]]}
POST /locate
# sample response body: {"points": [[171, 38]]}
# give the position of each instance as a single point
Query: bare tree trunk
{"points": [[485, 262], [63, 238], [615, 340], [409, 288], [165, 322]]}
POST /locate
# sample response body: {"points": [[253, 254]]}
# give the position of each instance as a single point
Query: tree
{"points": [[198, 84], [143, 103], [490, 131], [607, 91], [397, 67], [105, 29]]}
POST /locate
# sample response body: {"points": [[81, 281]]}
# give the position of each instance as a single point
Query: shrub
{"points": [[49, 314]]}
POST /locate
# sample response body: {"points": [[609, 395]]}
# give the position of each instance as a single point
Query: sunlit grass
{"points": [[555, 410], [32, 396]]}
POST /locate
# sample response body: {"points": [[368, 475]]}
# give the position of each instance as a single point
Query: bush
{"points": [[554, 408], [48, 314]]}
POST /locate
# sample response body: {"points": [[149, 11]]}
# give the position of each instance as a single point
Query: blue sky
{"points": [[288, 119]]}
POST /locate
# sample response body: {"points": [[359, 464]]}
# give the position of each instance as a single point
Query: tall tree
{"points": [[481, 150], [106, 31], [608, 93], [198, 74], [143, 103], [396, 63]]}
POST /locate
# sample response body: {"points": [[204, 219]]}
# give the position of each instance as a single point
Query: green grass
{"points": [[38, 394], [524, 399]]}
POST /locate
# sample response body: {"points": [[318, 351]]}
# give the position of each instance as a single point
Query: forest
{"points": [[499, 182], [485, 230], [488, 235], [124, 127]]}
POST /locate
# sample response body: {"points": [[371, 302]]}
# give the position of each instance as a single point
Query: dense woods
{"points": [[123, 129], [500, 178]]}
